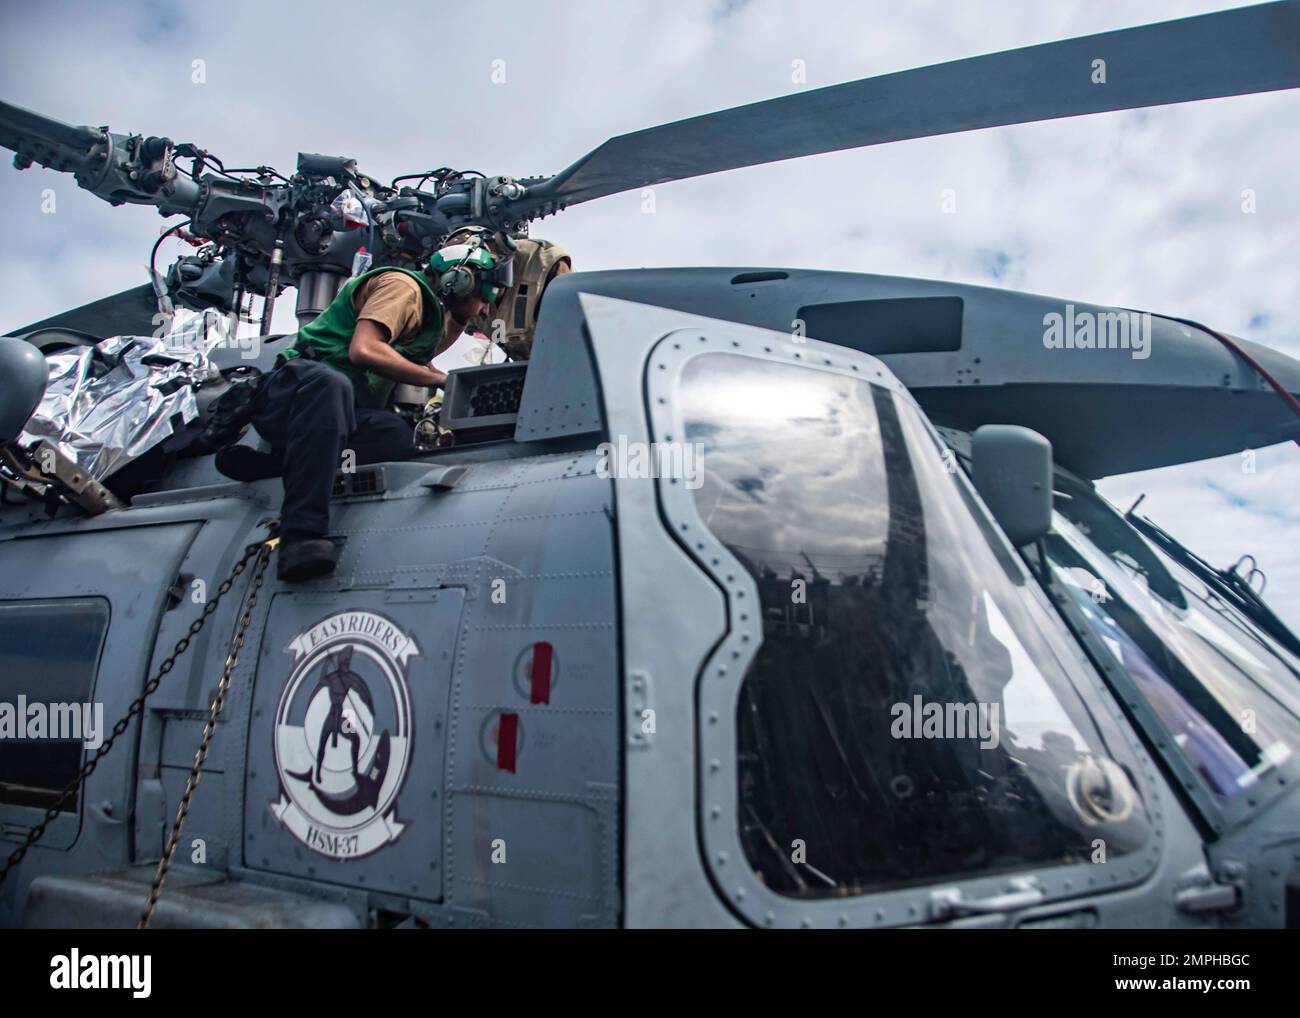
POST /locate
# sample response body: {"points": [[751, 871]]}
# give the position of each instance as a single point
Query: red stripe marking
{"points": [[541, 672], [507, 739]]}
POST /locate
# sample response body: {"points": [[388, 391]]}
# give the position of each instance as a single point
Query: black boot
{"points": [[306, 558]]}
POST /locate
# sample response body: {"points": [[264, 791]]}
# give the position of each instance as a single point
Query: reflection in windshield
{"points": [[882, 601], [1215, 680]]}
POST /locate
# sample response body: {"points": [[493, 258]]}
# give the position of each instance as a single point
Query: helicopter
{"points": [[704, 617]]}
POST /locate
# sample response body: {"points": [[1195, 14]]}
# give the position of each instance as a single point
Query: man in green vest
{"points": [[329, 396]]}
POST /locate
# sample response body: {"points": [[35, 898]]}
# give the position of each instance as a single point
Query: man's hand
{"points": [[370, 349]]}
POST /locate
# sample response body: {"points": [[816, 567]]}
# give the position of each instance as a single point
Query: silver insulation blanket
{"points": [[107, 405]]}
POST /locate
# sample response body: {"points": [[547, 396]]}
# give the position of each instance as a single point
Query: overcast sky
{"points": [[1139, 209]]}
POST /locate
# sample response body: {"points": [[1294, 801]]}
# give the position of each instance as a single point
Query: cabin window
{"points": [[49, 655]]}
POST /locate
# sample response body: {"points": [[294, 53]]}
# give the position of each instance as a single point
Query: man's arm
{"points": [[370, 349]]}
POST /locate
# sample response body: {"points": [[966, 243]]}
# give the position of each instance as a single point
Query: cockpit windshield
{"points": [[1228, 693], [915, 711]]}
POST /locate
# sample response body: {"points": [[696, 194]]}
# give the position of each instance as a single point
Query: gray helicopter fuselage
{"points": [[553, 654]]}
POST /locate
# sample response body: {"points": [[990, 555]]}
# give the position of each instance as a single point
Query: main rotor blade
{"points": [[1234, 52], [125, 313], [44, 139]]}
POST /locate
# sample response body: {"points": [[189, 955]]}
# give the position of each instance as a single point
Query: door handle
{"points": [[1022, 892], [103, 812]]}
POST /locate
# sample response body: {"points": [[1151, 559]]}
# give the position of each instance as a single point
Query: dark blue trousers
{"points": [[307, 411]]}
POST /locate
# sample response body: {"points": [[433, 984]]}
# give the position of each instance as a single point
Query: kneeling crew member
{"points": [[331, 392], [514, 316]]}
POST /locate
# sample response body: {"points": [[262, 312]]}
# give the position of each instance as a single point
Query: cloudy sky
{"points": [[1139, 209]]}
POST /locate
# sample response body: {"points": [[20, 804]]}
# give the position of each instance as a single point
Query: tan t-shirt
{"points": [[393, 300]]}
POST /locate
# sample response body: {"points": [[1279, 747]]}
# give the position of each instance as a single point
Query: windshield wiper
{"points": [[1227, 584]]}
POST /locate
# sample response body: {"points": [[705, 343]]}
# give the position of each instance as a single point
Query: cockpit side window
{"points": [[1224, 694], [909, 716], [1120, 542]]}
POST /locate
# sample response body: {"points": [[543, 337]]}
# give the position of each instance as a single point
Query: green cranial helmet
{"points": [[469, 268]]}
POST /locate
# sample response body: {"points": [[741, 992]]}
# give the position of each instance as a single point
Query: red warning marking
{"points": [[541, 672], [507, 738]]}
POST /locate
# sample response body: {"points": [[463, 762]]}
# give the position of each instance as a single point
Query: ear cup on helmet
{"points": [[456, 282]]}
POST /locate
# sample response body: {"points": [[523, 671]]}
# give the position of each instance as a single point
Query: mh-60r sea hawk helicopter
{"points": [[543, 692]]}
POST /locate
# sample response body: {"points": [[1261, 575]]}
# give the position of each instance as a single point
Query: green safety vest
{"points": [[328, 337]]}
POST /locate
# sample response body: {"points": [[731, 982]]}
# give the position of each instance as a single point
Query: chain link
{"points": [[201, 755], [137, 706]]}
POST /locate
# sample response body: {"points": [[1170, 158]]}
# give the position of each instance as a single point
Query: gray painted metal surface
{"points": [[536, 531], [684, 865], [1193, 398], [481, 555]]}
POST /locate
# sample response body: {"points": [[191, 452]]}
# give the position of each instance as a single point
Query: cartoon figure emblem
{"points": [[343, 732]]}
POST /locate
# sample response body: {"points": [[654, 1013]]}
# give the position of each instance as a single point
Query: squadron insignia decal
{"points": [[343, 734]]}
